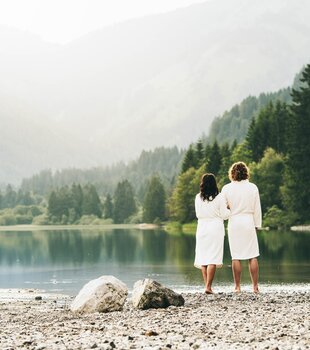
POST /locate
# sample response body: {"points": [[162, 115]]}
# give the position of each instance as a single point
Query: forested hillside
{"points": [[233, 124], [119, 193], [162, 161], [277, 150]]}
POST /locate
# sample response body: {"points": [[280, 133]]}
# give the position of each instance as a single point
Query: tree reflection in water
{"points": [[284, 255]]}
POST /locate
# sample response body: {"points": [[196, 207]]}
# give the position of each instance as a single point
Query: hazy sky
{"points": [[64, 20]]}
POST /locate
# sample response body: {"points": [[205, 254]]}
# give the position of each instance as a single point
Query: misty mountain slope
{"points": [[158, 80], [27, 145], [233, 124], [180, 69]]}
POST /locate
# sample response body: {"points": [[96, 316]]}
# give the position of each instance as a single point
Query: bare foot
{"points": [[237, 290], [256, 291], [209, 291]]}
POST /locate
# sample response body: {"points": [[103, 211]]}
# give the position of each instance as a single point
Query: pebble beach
{"points": [[279, 320]]}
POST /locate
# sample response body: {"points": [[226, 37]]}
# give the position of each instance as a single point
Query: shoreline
{"points": [[77, 227], [221, 321], [170, 227], [24, 293]]}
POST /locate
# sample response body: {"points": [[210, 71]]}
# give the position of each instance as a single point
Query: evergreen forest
{"points": [[276, 147]]}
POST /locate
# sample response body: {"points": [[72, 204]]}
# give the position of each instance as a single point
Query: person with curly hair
{"points": [[242, 197], [211, 209]]}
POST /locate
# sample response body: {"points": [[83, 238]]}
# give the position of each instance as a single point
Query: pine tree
{"points": [[189, 160], [215, 159], [269, 129], [65, 202], [199, 153], [77, 197], [53, 205], [154, 201], [27, 199], [259, 135], [233, 145], [252, 139], [10, 197], [225, 165], [278, 134], [124, 203], [108, 207], [297, 178], [24, 198], [207, 152], [91, 201]]}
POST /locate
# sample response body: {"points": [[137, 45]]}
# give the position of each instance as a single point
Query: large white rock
{"points": [[103, 294], [148, 294]]}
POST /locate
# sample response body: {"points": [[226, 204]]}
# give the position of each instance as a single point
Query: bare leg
{"points": [[204, 274], [236, 269], [208, 273], [253, 267]]}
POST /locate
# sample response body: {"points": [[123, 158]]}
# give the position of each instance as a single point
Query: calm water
{"points": [[64, 260]]}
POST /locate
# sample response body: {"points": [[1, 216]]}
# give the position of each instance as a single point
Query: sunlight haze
{"points": [[61, 21], [76, 91]]}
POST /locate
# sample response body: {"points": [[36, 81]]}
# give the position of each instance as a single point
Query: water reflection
{"points": [[137, 254], [76, 247]]}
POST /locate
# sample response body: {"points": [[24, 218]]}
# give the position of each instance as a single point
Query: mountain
{"points": [[233, 125], [158, 80], [27, 144]]}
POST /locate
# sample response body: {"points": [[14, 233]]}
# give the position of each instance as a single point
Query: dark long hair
{"points": [[208, 187]]}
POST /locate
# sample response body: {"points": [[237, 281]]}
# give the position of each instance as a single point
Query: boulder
{"points": [[103, 294], [151, 294]]}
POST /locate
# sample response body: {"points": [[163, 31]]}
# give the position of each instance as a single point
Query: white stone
{"points": [[103, 294]]}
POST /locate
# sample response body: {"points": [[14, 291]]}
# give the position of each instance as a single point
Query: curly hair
{"points": [[208, 187], [239, 171]]}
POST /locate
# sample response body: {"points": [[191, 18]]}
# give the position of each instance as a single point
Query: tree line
{"points": [[82, 204], [163, 161], [11, 198], [19, 207]]}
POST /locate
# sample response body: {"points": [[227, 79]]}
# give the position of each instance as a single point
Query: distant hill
{"points": [[165, 162], [233, 124], [158, 80], [27, 144]]}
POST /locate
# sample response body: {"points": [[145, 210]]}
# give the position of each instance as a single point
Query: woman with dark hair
{"points": [[211, 209], [243, 200]]}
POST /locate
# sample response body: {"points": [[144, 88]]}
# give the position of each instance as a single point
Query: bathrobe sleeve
{"points": [[224, 212], [257, 210], [197, 206]]}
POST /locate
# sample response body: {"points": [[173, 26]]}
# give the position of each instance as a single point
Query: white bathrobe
{"points": [[210, 230], [245, 214]]}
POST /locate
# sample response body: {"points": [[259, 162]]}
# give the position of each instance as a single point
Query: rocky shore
{"points": [[221, 321]]}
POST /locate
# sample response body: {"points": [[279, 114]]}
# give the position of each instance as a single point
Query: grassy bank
{"points": [[174, 227]]}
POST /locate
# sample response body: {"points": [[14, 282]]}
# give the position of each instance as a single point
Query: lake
{"points": [[64, 260]]}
